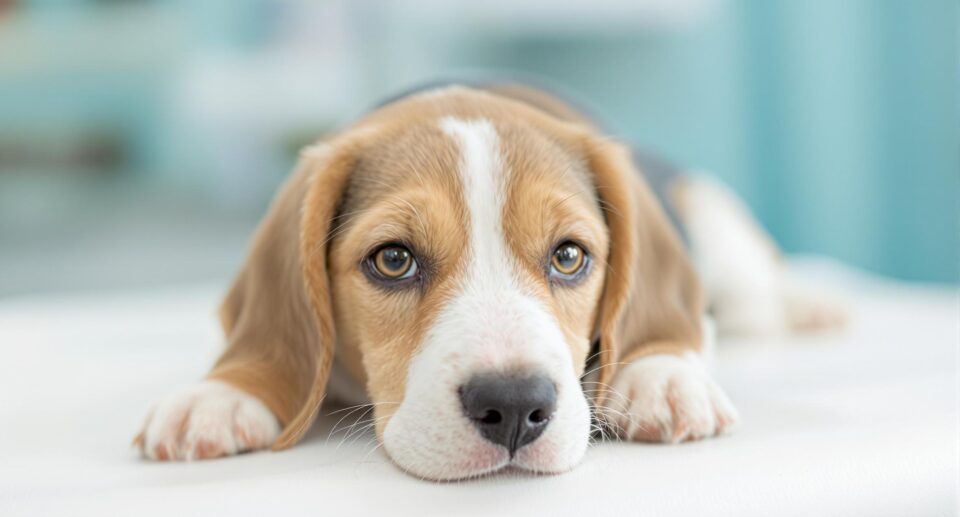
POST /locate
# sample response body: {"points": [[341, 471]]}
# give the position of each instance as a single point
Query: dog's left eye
{"points": [[568, 261], [393, 262]]}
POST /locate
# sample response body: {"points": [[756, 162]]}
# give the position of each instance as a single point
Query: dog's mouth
{"points": [[482, 464], [472, 455]]}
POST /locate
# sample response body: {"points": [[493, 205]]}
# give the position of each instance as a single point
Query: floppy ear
{"points": [[652, 301], [277, 316]]}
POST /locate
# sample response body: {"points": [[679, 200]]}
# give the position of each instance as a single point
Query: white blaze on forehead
{"points": [[493, 318], [484, 178]]}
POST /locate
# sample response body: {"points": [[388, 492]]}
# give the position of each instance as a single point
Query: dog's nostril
{"points": [[492, 416], [538, 417]]}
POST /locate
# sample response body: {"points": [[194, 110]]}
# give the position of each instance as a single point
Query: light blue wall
{"points": [[837, 120], [858, 120]]}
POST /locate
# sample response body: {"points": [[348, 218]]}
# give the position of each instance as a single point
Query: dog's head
{"points": [[463, 251]]}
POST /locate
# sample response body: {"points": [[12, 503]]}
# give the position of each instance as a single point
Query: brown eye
{"points": [[568, 259], [394, 262]]}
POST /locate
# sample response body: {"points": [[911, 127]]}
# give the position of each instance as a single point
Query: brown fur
{"points": [[390, 189], [302, 293], [652, 301]]}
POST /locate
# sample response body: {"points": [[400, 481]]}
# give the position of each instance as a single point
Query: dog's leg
{"points": [[239, 407], [749, 289], [667, 396], [207, 420]]}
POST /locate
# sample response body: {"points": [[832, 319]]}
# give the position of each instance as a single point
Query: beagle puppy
{"points": [[498, 279]]}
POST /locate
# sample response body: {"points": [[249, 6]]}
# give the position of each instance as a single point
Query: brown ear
{"points": [[652, 301], [277, 316]]}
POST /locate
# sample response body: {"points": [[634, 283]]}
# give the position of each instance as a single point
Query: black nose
{"points": [[509, 410]]}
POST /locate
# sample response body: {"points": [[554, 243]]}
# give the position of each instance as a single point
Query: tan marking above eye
{"points": [[394, 262], [568, 259]]}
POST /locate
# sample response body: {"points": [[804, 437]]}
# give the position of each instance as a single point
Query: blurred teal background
{"points": [[141, 140]]}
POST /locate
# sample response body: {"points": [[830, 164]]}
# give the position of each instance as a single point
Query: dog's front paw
{"points": [[667, 398], [208, 420]]}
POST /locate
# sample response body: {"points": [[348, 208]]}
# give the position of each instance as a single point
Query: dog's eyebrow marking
{"points": [[483, 174]]}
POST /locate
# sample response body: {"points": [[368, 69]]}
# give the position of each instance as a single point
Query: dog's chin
{"points": [[483, 464], [480, 459], [549, 457], [483, 460]]}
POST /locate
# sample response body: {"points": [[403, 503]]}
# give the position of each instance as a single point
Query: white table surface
{"points": [[862, 422]]}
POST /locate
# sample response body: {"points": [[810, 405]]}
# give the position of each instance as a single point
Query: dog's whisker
{"points": [[375, 449], [357, 430], [382, 403], [365, 408], [349, 408], [364, 425], [602, 366], [360, 433]]}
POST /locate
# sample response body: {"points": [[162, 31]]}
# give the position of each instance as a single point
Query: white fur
{"points": [[748, 287], [491, 325], [208, 419], [668, 398], [737, 266]]}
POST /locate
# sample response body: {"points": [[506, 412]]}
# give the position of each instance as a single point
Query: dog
{"points": [[498, 279]]}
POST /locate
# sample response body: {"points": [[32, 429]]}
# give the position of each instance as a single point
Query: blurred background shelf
{"points": [[141, 140]]}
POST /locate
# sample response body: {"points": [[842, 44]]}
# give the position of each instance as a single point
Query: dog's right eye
{"points": [[393, 262], [569, 263]]}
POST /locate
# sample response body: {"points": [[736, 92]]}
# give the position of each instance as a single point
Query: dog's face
{"points": [[466, 267], [461, 251]]}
